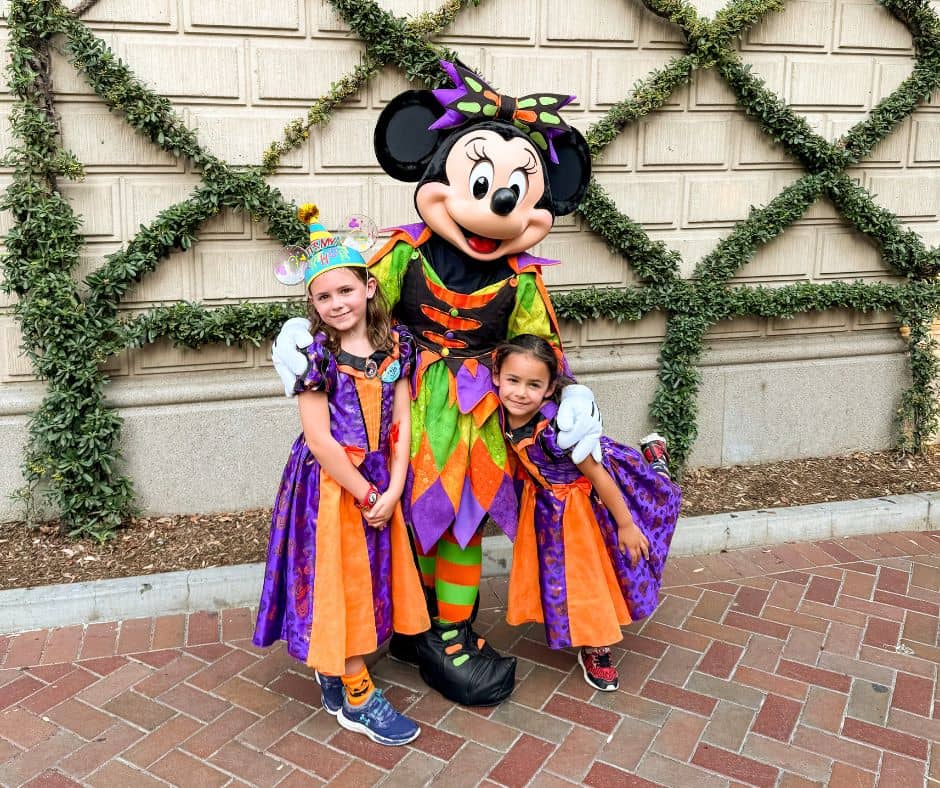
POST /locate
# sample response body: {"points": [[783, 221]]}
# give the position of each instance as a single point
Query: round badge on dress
{"points": [[371, 368], [392, 372]]}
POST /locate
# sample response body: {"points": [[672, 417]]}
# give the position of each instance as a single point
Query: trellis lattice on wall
{"points": [[74, 438]]}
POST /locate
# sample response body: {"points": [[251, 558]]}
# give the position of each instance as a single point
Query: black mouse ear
{"points": [[403, 143], [568, 180]]}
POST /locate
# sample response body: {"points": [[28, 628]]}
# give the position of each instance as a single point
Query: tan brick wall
{"points": [[238, 71]]}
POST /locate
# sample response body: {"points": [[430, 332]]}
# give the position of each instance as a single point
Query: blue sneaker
{"points": [[379, 721], [332, 692]]}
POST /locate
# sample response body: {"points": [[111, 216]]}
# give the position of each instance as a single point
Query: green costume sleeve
{"points": [[390, 270], [531, 314]]}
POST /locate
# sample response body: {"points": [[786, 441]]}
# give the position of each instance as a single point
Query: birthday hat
{"points": [[324, 252]]}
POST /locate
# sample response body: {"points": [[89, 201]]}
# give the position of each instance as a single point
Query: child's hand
{"points": [[379, 515], [630, 539]]}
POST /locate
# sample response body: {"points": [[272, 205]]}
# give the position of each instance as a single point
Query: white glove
{"points": [[289, 361], [579, 423]]}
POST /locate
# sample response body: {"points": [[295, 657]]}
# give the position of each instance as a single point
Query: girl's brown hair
{"points": [[378, 318], [538, 348]]}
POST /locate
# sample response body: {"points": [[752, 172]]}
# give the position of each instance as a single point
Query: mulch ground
{"points": [[35, 556]]}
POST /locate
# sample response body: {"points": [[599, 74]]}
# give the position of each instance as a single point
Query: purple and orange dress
{"points": [[335, 587], [567, 570]]}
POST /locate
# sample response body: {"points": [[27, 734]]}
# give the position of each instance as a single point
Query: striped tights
{"points": [[453, 573]]}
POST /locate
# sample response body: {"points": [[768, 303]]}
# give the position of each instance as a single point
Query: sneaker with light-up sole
{"points": [[654, 451], [599, 671]]}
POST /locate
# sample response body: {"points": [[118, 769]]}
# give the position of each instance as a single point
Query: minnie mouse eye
{"points": [[518, 183], [481, 177]]}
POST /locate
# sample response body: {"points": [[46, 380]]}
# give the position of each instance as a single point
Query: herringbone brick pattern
{"points": [[804, 664]]}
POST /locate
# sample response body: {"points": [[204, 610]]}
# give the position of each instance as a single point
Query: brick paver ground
{"points": [[804, 664]]}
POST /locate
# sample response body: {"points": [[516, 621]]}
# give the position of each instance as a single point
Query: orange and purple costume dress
{"points": [[567, 568], [335, 587]]}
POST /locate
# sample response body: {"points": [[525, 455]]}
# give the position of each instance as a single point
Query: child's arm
{"points": [[315, 419], [629, 537], [381, 513]]}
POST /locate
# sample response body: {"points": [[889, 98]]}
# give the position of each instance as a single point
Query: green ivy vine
{"points": [[70, 332]]}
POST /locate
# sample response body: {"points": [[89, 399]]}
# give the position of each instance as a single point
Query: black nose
{"points": [[504, 200]]}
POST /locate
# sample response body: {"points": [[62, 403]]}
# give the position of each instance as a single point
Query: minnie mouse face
{"points": [[489, 202], [483, 186]]}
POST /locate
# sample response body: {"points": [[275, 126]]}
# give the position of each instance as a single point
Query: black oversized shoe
{"points": [[404, 648], [485, 648], [452, 663]]}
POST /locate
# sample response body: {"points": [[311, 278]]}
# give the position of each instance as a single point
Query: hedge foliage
{"points": [[69, 331]]}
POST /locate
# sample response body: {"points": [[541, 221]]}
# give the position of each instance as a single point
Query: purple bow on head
{"points": [[535, 114]]}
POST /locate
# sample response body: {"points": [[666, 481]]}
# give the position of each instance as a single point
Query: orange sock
{"points": [[358, 686]]}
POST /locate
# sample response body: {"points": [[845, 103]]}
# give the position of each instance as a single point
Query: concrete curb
{"points": [[218, 588]]}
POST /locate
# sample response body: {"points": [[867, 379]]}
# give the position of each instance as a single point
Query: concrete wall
{"points": [[209, 430]]}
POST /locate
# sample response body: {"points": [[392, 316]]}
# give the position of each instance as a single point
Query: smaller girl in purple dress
{"points": [[340, 574], [593, 537]]}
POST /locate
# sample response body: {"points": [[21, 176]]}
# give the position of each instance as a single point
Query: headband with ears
{"points": [[405, 144]]}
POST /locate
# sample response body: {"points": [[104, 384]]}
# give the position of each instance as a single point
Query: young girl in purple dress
{"points": [[593, 536], [340, 574]]}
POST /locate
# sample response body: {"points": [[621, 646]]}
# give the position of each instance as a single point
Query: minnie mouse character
{"points": [[492, 172]]}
